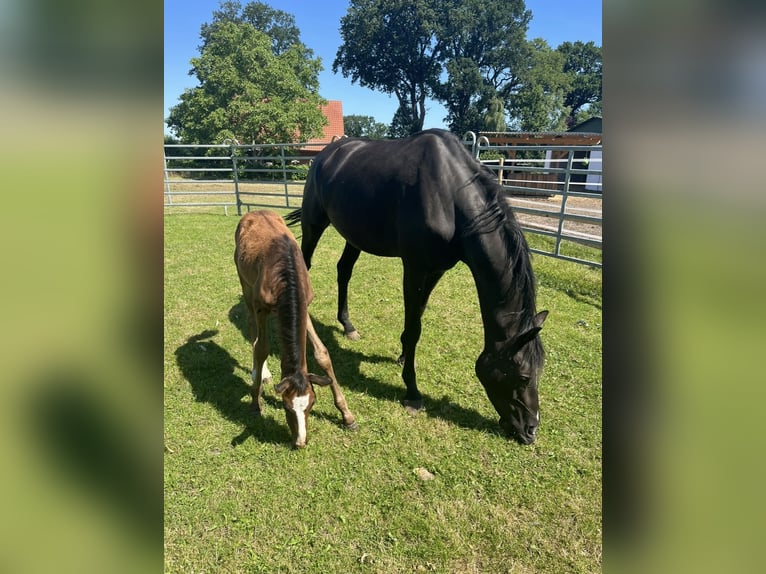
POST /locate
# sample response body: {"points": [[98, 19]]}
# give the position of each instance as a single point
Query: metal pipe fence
{"points": [[555, 190], [232, 175]]}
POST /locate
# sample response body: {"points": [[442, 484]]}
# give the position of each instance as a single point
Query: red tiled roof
{"points": [[333, 111]]}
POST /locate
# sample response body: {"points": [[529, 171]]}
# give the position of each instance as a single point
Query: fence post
{"points": [[284, 174], [565, 194], [500, 171], [168, 196], [236, 177]]}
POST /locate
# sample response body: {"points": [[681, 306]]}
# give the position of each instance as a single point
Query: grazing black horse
{"points": [[426, 200]]}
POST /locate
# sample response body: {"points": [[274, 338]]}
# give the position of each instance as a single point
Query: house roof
{"points": [[333, 111], [591, 125]]}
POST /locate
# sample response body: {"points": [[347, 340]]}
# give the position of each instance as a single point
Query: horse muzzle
{"points": [[527, 436]]}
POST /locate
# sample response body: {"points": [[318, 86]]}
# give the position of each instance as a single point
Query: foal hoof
{"points": [[353, 335], [413, 407], [353, 427]]}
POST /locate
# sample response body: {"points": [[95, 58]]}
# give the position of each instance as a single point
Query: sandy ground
{"points": [[586, 206]]}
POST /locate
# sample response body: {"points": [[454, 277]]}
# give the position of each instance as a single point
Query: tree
{"points": [[279, 26], [494, 120], [539, 105], [253, 87], [583, 63], [364, 126], [484, 51], [392, 46], [402, 123]]}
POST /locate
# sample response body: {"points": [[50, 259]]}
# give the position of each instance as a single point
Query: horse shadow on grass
{"points": [[347, 364], [217, 378]]}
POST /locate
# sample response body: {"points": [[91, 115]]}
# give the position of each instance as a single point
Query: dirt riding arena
{"points": [[590, 207]]}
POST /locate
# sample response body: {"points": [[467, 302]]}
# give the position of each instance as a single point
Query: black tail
{"points": [[294, 217]]}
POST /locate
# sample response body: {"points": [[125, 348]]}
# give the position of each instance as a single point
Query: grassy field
{"points": [[238, 499]]}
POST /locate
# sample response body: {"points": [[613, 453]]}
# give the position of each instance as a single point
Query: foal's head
{"points": [[298, 398], [510, 375]]}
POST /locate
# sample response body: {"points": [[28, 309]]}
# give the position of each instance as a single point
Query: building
{"points": [[333, 111], [585, 133], [590, 160]]}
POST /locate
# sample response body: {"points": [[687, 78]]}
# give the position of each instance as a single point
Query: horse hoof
{"points": [[255, 412], [413, 407], [353, 427], [353, 335]]}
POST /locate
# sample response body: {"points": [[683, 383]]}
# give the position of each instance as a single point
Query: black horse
{"points": [[426, 200]]}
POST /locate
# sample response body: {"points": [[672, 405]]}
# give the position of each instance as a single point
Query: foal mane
{"points": [[288, 307]]}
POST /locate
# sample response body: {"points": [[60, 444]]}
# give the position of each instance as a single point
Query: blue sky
{"points": [[556, 21]]}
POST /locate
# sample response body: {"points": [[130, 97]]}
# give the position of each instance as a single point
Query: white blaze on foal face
{"points": [[300, 404]]}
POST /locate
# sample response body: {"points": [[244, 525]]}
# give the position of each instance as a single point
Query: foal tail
{"points": [[294, 217]]}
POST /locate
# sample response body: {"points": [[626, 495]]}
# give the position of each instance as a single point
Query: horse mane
{"points": [[498, 214], [290, 301]]}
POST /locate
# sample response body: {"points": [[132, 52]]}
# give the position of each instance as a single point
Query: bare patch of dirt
{"points": [[583, 206]]}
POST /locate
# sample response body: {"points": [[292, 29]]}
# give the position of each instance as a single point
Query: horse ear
{"points": [[281, 387], [321, 381], [519, 342]]}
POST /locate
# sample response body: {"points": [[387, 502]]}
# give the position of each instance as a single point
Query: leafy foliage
{"points": [[392, 46], [583, 63], [473, 56], [539, 104], [257, 82], [363, 126], [494, 120], [485, 50]]}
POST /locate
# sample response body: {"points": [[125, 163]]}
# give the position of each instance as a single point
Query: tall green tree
{"points": [[393, 46], [484, 51], [364, 126], [539, 105], [255, 85], [583, 63], [279, 26], [402, 123]]}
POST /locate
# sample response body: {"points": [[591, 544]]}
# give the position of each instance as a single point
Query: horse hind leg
{"points": [[313, 225], [322, 357], [345, 269]]}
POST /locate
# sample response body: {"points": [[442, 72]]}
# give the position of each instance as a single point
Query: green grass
{"points": [[238, 499]]}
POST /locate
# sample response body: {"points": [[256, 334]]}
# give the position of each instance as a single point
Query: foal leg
{"points": [[417, 289], [323, 360], [345, 268], [261, 372]]}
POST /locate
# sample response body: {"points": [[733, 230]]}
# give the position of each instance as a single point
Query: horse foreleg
{"points": [[322, 357], [261, 372], [345, 268], [417, 289]]}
